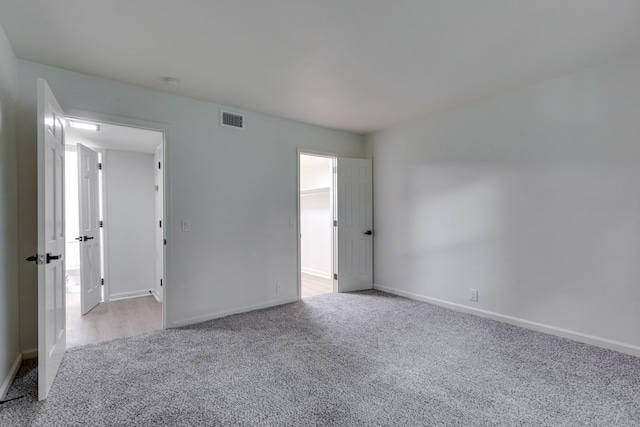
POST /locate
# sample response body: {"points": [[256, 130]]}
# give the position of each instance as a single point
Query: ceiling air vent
{"points": [[231, 120]]}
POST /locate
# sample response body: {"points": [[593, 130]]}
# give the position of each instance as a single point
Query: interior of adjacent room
{"points": [[129, 209], [316, 224]]}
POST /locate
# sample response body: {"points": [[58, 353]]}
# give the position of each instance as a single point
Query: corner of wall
{"points": [[9, 299], [532, 210]]}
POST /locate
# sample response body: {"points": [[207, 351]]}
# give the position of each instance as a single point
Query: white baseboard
{"points": [[6, 384], [198, 319], [156, 295], [134, 294], [31, 353], [540, 327], [318, 273]]}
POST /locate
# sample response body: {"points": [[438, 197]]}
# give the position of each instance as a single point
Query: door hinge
{"points": [[159, 165], [102, 282], [101, 224], [335, 276], [335, 222], [100, 166], [165, 242], [161, 282], [335, 169], [160, 224]]}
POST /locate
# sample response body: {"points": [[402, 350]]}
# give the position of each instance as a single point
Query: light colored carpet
{"points": [[359, 359]]}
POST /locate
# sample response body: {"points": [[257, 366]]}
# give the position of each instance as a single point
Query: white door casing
{"points": [[159, 200], [355, 228], [51, 238], [89, 216]]}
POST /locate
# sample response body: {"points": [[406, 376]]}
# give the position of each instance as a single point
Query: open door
{"points": [[51, 245], [89, 216], [354, 231]]}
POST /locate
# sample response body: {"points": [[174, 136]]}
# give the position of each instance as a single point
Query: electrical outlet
{"points": [[278, 288], [473, 294]]}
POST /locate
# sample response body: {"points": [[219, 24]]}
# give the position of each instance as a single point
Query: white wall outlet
{"points": [[278, 288], [473, 294], [186, 225]]}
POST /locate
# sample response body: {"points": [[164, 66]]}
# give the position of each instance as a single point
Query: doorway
{"points": [[317, 203], [130, 206]]}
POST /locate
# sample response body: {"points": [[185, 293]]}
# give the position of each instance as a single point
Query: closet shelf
{"points": [[318, 190]]}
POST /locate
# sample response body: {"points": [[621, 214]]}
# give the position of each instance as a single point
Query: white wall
{"points": [[315, 228], [532, 198], [9, 328], [315, 172], [315, 215], [238, 189], [130, 224]]}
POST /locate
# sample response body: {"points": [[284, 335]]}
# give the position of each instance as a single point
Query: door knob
{"points": [[50, 257], [38, 259], [368, 232], [87, 238]]}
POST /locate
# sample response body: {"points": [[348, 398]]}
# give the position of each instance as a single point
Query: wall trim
{"points": [[317, 273], [217, 315], [6, 384], [134, 294], [156, 295], [104, 159], [621, 347], [31, 353]]}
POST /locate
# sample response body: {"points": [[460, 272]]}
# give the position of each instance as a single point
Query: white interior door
{"points": [[51, 249], [89, 216], [355, 217]]}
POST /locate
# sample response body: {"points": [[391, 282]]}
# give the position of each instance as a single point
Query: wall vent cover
{"points": [[232, 120]]}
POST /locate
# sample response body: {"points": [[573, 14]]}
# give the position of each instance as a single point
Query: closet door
{"points": [[354, 224]]}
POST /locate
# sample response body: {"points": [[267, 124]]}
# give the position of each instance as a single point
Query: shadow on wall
{"points": [[542, 230]]}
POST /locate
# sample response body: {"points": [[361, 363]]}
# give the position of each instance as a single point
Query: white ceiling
{"points": [[115, 137], [358, 65]]}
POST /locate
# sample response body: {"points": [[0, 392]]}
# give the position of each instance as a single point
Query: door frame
{"points": [[84, 115], [334, 248]]}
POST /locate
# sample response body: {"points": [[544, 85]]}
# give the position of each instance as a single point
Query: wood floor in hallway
{"points": [[314, 285], [110, 320], [123, 318]]}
